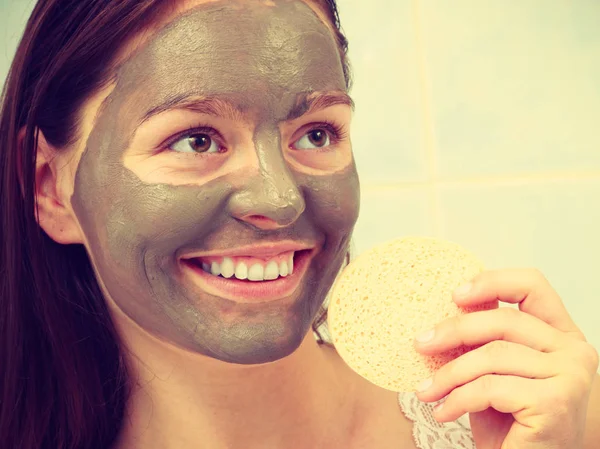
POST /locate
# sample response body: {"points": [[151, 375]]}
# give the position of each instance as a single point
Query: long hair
{"points": [[63, 380]]}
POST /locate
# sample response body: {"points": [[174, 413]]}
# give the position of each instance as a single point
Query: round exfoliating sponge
{"points": [[386, 296]]}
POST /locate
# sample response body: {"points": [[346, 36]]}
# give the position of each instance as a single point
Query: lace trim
{"points": [[429, 433]]}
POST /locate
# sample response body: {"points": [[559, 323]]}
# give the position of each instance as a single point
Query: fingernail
{"points": [[463, 289], [426, 336], [424, 385]]}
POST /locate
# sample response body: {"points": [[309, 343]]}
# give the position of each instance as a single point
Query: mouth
{"points": [[259, 277]]}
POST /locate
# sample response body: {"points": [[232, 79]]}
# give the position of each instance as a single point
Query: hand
{"points": [[528, 383]]}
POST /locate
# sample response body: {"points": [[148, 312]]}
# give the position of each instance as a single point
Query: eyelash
{"points": [[336, 133]]}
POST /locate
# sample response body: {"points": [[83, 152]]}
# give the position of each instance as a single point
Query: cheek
{"points": [[137, 220], [321, 162], [164, 217], [334, 200]]}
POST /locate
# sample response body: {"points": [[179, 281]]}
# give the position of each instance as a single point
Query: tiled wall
{"points": [[478, 122], [13, 16]]}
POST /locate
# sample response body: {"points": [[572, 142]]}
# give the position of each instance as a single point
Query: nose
{"points": [[270, 198]]}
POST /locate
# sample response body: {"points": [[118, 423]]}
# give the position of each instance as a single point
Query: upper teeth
{"points": [[255, 271]]}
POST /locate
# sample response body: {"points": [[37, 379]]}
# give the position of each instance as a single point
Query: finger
{"points": [[506, 394], [526, 287], [478, 328], [497, 357]]}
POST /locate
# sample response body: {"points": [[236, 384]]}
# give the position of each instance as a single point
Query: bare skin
{"points": [[310, 398], [184, 396]]}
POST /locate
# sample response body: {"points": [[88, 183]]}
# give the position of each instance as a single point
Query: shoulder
{"points": [[426, 430], [407, 415]]}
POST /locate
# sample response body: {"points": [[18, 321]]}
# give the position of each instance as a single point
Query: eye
{"points": [[316, 138], [321, 136], [197, 142]]}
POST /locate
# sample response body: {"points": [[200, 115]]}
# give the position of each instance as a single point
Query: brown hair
{"points": [[63, 381]]}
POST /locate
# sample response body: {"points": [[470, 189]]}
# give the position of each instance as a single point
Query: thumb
{"points": [[490, 428]]}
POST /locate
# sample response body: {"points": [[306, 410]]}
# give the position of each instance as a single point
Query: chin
{"points": [[262, 346]]}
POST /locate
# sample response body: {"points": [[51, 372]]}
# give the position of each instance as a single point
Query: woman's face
{"points": [[224, 144]]}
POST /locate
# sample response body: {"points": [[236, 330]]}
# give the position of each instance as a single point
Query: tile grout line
{"points": [[490, 181], [428, 133]]}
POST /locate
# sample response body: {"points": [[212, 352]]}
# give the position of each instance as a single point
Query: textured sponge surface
{"points": [[390, 293]]}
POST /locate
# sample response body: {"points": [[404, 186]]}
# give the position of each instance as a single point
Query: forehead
{"points": [[256, 54]]}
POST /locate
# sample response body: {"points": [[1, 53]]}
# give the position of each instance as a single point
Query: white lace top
{"points": [[429, 433]]}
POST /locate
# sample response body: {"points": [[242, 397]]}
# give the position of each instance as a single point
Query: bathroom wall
{"points": [[479, 122], [476, 122]]}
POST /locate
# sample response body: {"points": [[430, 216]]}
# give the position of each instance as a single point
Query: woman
{"points": [[178, 196]]}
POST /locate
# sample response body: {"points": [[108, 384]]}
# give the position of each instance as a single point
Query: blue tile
{"points": [[515, 86]]}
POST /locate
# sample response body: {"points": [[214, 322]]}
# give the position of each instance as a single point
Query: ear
{"points": [[54, 212]]}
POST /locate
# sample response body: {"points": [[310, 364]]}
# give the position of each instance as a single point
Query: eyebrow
{"points": [[316, 101], [203, 105], [305, 104]]}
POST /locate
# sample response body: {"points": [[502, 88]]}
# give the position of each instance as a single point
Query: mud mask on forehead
{"points": [[263, 59]]}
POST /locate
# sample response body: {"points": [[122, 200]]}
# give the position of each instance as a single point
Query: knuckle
{"points": [[486, 383], [588, 354], [509, 314], [594, 357], [591, 353], [482, 276], [456, 324], [537, 275], [577, 335], [583, 381], [496, 348], [447, 371]]}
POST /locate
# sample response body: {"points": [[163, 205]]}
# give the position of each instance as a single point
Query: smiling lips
{"points": [[252, 274]]}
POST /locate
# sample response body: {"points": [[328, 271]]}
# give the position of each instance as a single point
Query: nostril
{"points": [[262, 222]]}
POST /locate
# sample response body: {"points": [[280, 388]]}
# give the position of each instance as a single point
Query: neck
{"points": [[183, 400]]}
